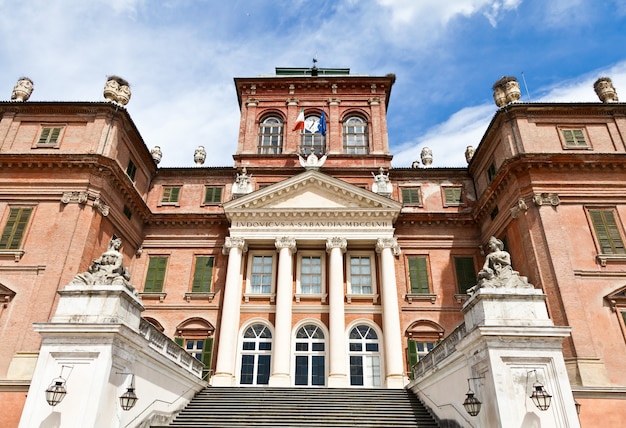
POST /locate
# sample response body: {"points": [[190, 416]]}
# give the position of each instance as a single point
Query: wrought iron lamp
{"points": [[472, 404], [129, 398], [56, 392], [541, 398]]}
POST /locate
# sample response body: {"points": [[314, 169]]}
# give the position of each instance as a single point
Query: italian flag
{"points": [[299, 121]]}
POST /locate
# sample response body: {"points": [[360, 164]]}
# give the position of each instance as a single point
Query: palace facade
{"points": [[312, 261]]}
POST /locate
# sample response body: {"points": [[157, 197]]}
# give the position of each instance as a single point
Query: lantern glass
{"points": [[128, 399], [540, 397], [56, 392], [472, 404]]}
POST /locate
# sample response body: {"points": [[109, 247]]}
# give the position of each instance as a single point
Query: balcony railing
{"points": [[443, 349]]}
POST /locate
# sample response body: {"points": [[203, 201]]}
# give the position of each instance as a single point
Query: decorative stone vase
{"points": [[117, 90], [427, 156], [157, 154], [506, 90], [199, 155], [469, 153], [22, 90], [605, 90]]}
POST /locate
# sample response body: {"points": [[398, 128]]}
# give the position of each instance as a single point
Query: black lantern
{"points": [[541, 398], [472, 404], [129, 398], [56, 391]]}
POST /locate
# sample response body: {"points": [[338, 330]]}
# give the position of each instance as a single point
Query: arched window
{"points": [[355, 140], [271, 136], [311, 140], [364, 357], [256, 354], [310, 356], [423, 337], [195, 335]]}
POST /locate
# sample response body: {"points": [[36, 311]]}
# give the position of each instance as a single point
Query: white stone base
{"points": [[338, 381], [222, 379]]}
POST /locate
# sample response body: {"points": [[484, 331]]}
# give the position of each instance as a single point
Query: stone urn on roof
{"points": [[117, 90]]}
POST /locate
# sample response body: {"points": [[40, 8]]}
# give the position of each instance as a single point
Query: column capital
{"points": [[336, 242], [392, 243], [288, 242], [231, 243]]}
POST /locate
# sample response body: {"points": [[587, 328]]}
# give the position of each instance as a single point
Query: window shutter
{"points": [[43, 138], [207, 355], [54, 136], [411, 195], [14, 229], [202, 275], [213, 195], [418, 275], [574, 138], [607, 232], [156, 275], [452, 195], [412, 355], [180, 341], [465, 273]]}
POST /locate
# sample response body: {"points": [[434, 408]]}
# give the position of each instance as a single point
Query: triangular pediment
{"points": [[6, 294], [313, 201], [312, 191], [617, 297]]}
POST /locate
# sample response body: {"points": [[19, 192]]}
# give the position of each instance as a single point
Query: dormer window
{"points": [[271, 136]]}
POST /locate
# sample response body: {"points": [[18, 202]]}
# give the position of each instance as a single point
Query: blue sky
{"points": [[181, 56]]}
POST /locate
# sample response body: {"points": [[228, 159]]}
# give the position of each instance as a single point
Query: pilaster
{"points": [[338, 373]]}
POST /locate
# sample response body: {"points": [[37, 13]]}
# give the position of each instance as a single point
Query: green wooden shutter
{"points": [[54, 135], [43, 138], [180, 341], [411, 195], [412, 355], [452, 195], [207, 355], [13, 232], [465, 273], [203, 274], [170, 194], [418, 275], [213, 195], [155, 275], [607, 232], [574, 138]]}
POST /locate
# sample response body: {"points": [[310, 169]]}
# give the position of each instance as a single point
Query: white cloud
{"points": [[449, 139]]}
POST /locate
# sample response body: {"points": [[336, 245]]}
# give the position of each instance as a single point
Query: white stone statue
{"points": [[157, 154], [22, 90], [381, 185], [312, 161], [427, 156], [605, 90], [497, 271], [199, 156], [117, 90], [106, 269], [469, 153], [243, 184]]}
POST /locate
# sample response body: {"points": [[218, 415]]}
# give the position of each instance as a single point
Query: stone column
{"points": [[227, 345], [286, 247], [338, 373], [388, 248]]}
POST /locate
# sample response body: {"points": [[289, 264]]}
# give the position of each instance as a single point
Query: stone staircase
{"points": [[299, 407]]}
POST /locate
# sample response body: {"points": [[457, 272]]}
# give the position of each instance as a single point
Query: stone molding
{"points": [[546, 198], [287, 242], [234, 242], [519, 208], [75, 197], [392, 243], [336, 242], [101, 207]]}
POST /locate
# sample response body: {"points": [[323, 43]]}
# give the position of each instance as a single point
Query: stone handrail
{"points": [[168, 348], [443, 349]]}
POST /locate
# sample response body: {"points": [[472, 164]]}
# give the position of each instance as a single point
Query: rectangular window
{"points": [[261, 276], [127, 212], [418, 275], [14, 228], [49, 136], [203, 274], [212, 195], [417, 350], [200, 349], [310, 274], [170, 195], [607, 231], [465, 273], [155, 275], [411, 195], [491, 172], [131, 170], [453, 196], [574, 138], [360, 275]]}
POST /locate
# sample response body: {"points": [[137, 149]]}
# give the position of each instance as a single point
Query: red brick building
{"points": [[311, 261]]}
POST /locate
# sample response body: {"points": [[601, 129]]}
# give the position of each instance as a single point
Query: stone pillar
{"points": [[510, 344], [281, 355], [338, 372], [388, 248], [227, 345]]}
